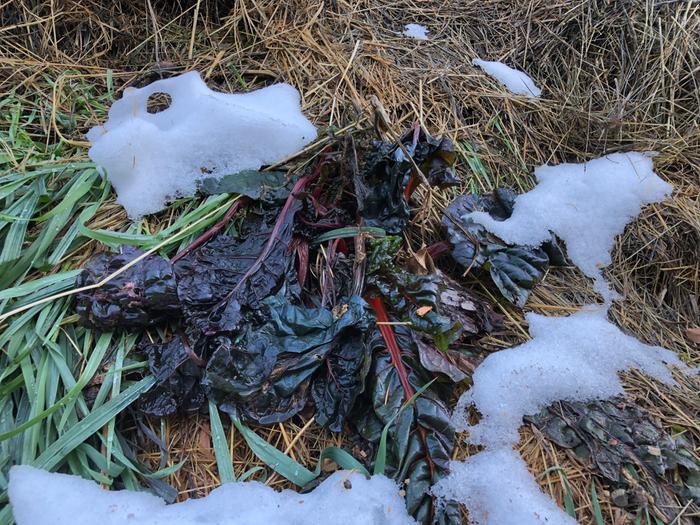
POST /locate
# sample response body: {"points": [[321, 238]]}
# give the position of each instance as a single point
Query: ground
{"points": [[616, 76]]}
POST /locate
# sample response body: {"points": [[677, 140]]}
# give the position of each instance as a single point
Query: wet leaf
{"points": [[433, 303], [222, 280], [258, 185], [514, 269], [177, 377], [381, 185], [616, 435], [265, 372], [143, 295], [421, 438]]}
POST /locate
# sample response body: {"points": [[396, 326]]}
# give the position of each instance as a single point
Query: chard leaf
{"points": [[515, 270], [143, 295], [258, 185], [265, 374], [222, 280]]}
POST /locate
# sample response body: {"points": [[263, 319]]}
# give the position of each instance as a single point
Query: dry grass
{"points": [[616, 76]]}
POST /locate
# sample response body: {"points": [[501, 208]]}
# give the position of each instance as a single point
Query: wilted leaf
{"points": [[514, 269], [178, 378], [614, 435], [223, 279], [432, 303], [258, 185], [143, 295], [265, 373], [380, 186], [421, 438]]}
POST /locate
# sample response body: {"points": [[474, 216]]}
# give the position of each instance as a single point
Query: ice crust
{"points": [[42, 498], [586, 205], [153, 158], [416, 31], [577, 357], [515, 81]]}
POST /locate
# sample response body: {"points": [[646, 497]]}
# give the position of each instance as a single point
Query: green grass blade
{"points": [[218, 437]]}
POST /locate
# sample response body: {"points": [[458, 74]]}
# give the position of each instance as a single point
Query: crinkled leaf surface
{"points": [[380, 185], [265, 373], [433, 303], [178, 378], [614, 434], [220, 281], [514, 269], [143, 295], [421, 438]]}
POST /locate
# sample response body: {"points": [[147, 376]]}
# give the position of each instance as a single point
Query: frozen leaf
{"points": [[265, 373], [514, 269], [615, 434], [421, 438], [143, 295], [258, 185], [434, 304], [388, 176], [177, 376], [453, 363], [219, 282]]}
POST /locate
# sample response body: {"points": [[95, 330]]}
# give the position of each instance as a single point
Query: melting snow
{"points": [[498, 489], [152, 158], [569, 358], [41, 498], [416, 31], [586, 205], [516, 81]]}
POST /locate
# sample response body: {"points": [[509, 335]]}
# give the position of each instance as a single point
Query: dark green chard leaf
{"points": [[143, 295], [616, 435], [258, 185], [421, 437], [266, 372], [514, 269], [434, 304], [387, 177], [342, 379], [177, 377], [222, 280]]}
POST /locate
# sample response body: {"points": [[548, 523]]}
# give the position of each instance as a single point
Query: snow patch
{"points": [[586, 205], [569, 358], [498, 489], [416, 31], [42, 498], [515, 81], [152, 158]]}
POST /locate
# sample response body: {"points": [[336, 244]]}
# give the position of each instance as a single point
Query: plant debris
{"points": [[143, 295], [626, 447], [514, 269], [263, 340]]}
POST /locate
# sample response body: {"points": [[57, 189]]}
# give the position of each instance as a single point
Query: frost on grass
{"points": [[41, 498], [151, 158], [416, 31], [586, 205], [515, 81], [569, 358]]}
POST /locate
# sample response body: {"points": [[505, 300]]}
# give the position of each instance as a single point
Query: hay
{"points": [[616, 76]]}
